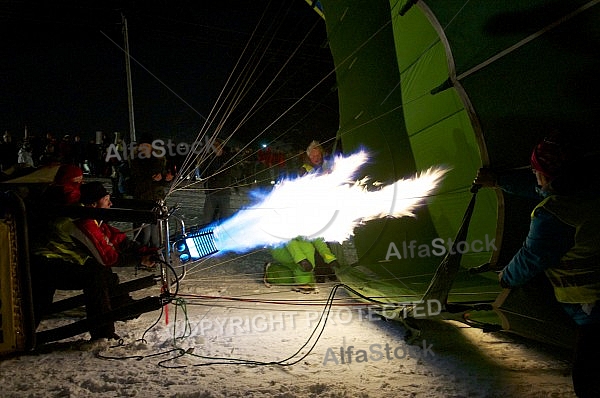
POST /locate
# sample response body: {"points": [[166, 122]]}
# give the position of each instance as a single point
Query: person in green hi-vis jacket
{"points": [[301, 263]]}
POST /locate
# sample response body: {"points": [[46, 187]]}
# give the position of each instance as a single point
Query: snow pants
{"points": [[285, 269]]}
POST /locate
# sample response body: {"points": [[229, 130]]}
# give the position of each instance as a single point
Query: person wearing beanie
{"points": [[563, 243], [60, 261], [111, 246], [78, 254]]}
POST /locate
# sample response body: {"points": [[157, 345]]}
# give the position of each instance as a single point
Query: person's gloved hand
{"points": [[305, 265], [486, 178]]}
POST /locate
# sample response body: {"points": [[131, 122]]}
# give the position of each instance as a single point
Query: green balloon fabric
{"points": [[462, 85]]}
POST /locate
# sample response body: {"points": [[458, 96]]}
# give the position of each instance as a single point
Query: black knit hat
{"points": [[91, 192]]}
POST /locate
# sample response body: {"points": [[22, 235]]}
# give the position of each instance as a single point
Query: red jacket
{"points": [[105, 238]]}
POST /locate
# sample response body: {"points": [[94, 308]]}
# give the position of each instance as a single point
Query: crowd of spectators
{"points": [[34, 151], [18, 155]]}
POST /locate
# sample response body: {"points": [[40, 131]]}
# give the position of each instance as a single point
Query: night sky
{"points": [[63, 70]]}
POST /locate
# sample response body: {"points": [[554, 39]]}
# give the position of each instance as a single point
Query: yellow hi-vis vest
{"points": [[307, 168], [60, 243], [577, 278]]}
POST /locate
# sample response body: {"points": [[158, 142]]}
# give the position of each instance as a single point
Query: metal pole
{"points": [[129, 85]]}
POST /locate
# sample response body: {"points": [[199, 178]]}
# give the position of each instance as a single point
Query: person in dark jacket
{"points": [[315, 157], [564, 243], [218, 176], [147, 180]]}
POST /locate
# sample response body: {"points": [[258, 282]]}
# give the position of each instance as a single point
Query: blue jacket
{"points": [[549, 239], [547, 242]]}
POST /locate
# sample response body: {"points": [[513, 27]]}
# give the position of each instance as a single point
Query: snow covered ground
{"points": [[229, 335]]}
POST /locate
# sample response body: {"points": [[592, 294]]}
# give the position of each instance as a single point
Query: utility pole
{"points": [[129, 85]]}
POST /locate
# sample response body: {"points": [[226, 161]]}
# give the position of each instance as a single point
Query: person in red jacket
{"points": [[110, 246], [60, 261]]}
